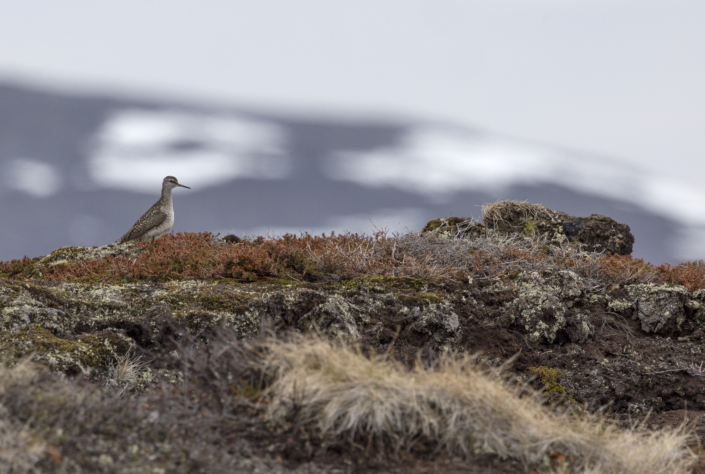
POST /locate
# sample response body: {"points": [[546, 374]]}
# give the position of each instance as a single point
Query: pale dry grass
{"points": [[124, 373], [378, 402], [439, 257], [497, 213]]}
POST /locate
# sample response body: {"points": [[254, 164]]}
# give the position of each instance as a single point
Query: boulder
{"points": [[596, 233], [451, 226], [544, 306], [661, 309]]}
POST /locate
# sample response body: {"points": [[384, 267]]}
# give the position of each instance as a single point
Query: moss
{"points": [[246, 390], [102, 348], [217, 298], [196, 323], [34, 339], [531, 228], [421, 298], [512, 275], [382, 284], [550, 379], [431, 296]]}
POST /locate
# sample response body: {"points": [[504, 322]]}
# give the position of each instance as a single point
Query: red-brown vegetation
{"points": [[624, 269], [689, 274], [186, 256]]}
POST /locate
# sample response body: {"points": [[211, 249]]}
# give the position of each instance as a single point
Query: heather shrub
{"points": [[430, 256], [689, 274], [15, 267], [624, 269]]}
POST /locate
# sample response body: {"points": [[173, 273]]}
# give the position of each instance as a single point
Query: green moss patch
{"points": [[550, 379], [384, 284]]}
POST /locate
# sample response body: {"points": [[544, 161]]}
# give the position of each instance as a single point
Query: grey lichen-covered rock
{"points": [[595, 233], [578, 327], [336, 317], [660, 308], [87, 354], [71, 255], [22, 310], [84, 328], [696, 304], [543, 306], [437, 321]]}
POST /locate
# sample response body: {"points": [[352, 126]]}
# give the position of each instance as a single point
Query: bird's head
{"points": [[171, 183]]}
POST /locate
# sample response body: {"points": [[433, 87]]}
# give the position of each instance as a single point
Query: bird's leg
{"points": [[151, 246]]}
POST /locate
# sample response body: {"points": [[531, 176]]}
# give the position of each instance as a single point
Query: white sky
{"points": [[623, 78]]}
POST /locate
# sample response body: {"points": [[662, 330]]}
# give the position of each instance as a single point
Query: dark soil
{"points": [[639, 377], [642, 378]]}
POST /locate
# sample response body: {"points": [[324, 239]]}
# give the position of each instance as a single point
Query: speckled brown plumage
{"points": [[158, 220]]}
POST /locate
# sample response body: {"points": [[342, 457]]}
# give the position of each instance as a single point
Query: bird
{"points": [[158, 220]]}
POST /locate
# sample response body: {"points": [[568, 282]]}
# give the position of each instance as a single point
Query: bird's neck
{"points": [[166, 194]]}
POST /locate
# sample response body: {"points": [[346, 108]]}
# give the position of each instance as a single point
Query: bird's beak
{"points": [[183, 186]]}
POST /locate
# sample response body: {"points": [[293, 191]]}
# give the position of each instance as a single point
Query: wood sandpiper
{"points": [[158, 220]]}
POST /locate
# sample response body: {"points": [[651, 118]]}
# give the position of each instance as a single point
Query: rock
{"points": [[542, 306], [232, 239], [66, 255], [600, 233], [451, 226], [696, 305], [58, 318], [88, 354], [438, 322], [660, 308], [337, 318], [595, 233]]}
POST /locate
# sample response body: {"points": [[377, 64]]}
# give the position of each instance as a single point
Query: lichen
{"points": [[83, 354], [544, 304], [660, 308], [438, 321]]}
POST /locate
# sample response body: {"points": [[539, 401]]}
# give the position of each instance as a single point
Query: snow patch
{"points": [[438, 161], [136, 148], [32, 177]]}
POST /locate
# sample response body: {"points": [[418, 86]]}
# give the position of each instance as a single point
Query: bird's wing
{"points": [[150, 219]]}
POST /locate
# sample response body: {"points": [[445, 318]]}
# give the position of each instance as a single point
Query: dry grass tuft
{"points": [[124, 373], [332, 395], [376, 401], [496, 213]]}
